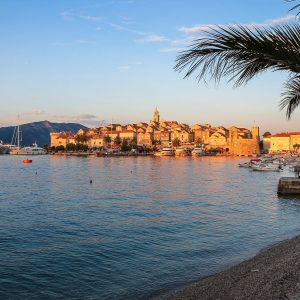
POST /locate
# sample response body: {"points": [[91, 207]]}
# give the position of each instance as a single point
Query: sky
{"points": [[93, 61]]}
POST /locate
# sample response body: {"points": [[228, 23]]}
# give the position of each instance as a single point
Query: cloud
{"points": [[123, 28], [88, 42], [73, 14], [35, 112], [89, 120], [127, 21], [70, 118], [125, 67], [99, 28], [209, 27], [152, 38], [60, 44]]}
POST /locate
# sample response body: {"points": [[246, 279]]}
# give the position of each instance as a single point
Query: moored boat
{"points": [[166, 151], [4, 149], [198, 152], [182, 152], [265, 167], [30, 150], [27, 161]]}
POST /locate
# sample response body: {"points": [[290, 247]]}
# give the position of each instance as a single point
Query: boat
{"points": [[251, 163], [30, 150], [27, 161], [16, 149], [4, 149], [182, 152], [265, 167], [245, 165], [198, 152], [166, 151]]}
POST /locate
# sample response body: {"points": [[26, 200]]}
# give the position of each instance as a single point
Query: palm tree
{"points": [[240, 53]]}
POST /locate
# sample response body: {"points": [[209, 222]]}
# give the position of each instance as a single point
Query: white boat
{"points": [[4, 149], [16, 149], [250, 164], [166, 151], [265, 167], [245, 165], [182, 152], [30, 150], [197, 151]]}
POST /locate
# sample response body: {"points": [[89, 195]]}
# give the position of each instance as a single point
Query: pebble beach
{"points": [[274, 273]]}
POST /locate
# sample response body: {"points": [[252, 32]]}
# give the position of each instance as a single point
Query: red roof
{"points": [[285, 134]]}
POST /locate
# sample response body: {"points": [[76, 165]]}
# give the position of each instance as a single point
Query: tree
{"points": [[107, 139], [60, 148], [70, 147], [133, 143], [125, 145], [267, 134], [176, 142], [240, 53], [117, 140], [81, 138]]}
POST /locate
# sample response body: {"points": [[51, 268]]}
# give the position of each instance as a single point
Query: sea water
{"points": [[143, 227]]}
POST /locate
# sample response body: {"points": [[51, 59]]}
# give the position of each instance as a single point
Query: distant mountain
{"points": [[38, 132]]}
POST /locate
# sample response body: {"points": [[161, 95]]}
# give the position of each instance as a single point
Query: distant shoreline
{"points": [[274, 273]]}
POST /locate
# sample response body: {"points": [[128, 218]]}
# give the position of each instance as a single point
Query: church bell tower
{"points": [[156, 116]]}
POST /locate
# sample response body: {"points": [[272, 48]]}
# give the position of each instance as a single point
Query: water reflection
{"points": [[144, 226]]}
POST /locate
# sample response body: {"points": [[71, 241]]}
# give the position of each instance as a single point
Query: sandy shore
{"points": [[274, 273]]}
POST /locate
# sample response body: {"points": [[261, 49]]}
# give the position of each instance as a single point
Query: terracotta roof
{"points": [[285, 134]]}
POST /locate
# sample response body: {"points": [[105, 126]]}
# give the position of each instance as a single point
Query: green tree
{"points": [[60, 148], [70, 147], [133, 143], [107, 139], [125, 146], [81, 138], [176, 142], [239, 53], [266, 134], [81, 147], [117, 140]]}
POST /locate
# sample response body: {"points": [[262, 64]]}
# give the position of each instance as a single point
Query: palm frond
{"points": [[297, 6], [240, 53], [291, 95]]}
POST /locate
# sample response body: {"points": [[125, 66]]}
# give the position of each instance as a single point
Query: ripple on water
{"points": [[143, 227]]}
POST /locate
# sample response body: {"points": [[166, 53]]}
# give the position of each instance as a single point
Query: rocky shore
{"points": [[274, 273]]}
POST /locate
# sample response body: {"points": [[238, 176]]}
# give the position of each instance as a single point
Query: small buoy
{"points": [[91, 181], [27, 161]]}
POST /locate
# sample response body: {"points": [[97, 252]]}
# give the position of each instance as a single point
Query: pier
{"points": [[290, 185]]}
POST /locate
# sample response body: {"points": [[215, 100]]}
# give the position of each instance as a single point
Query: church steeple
{"points": [[156, 116]]}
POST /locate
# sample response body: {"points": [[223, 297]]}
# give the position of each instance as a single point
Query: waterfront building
{"points": [[61, 139], [145, 139], [96, 141], [284, 141], [161, 133]]}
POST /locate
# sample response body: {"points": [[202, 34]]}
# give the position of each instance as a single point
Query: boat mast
{"points": [[111, 134], [18, 132]]}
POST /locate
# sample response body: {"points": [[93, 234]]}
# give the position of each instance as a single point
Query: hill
{"points": [[38, 132]]}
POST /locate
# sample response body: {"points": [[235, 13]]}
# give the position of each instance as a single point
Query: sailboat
{"points": [[16, 149]]}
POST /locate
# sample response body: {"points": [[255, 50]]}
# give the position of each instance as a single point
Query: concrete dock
{"points": [[289, 186]]}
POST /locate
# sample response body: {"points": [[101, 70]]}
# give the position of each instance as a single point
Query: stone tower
{"points": [[255, 132], [156, 116]]}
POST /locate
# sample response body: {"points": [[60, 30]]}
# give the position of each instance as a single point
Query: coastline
{"points": [[274, 273]]}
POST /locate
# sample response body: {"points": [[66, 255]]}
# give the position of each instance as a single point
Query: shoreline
{"points": [[273, 273]]}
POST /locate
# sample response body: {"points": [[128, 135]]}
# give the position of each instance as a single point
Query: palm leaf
{"points": [[291, 95], [294, 7], [239, 53]]}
